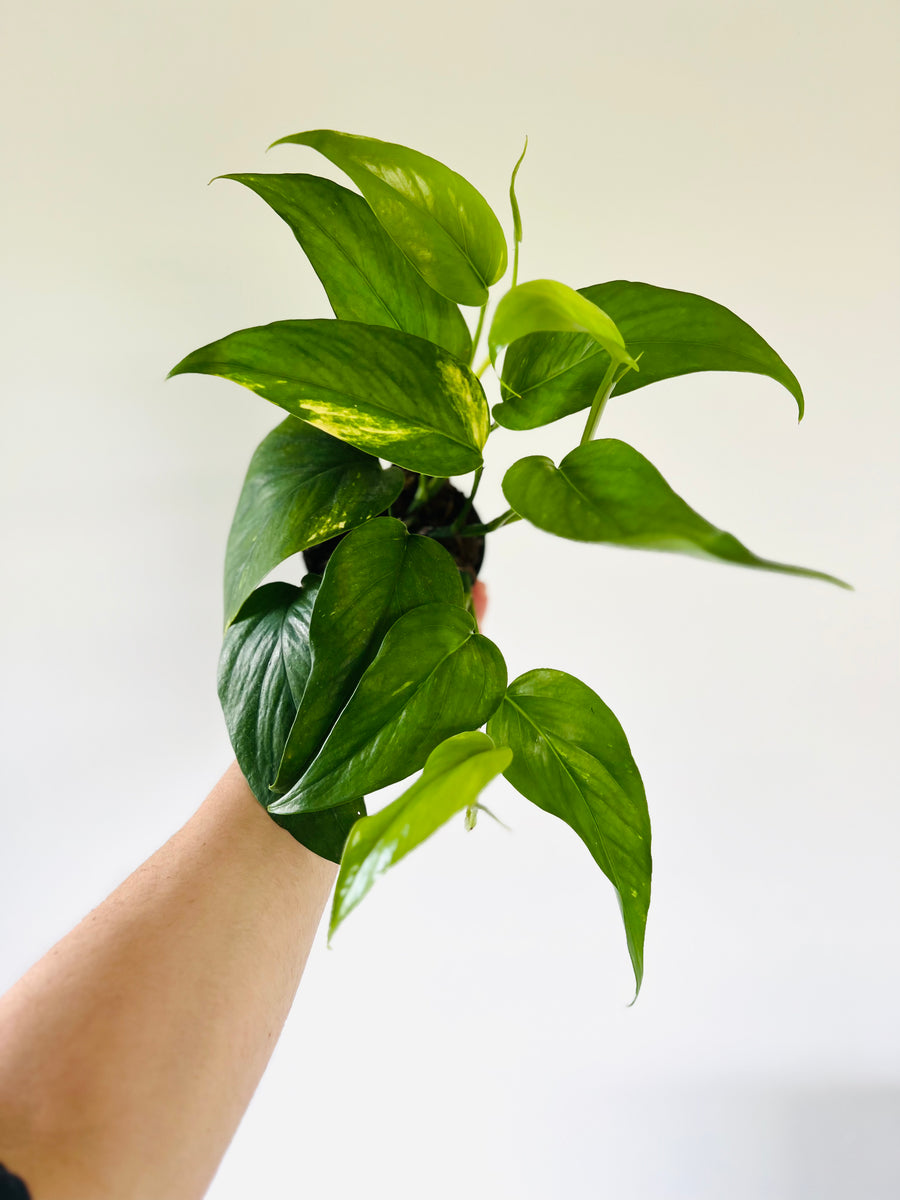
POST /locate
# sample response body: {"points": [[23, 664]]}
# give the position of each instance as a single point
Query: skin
{"points": [[130, 1051]]}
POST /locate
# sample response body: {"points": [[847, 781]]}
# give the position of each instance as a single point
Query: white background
{"points": [[468, 1033]]}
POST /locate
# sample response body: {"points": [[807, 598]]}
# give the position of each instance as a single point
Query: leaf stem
{"points": [[483, 367], [476, 337], [467, 507], [604, 391]]}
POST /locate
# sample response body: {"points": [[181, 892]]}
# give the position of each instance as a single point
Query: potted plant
{"points": [[372, 667]]}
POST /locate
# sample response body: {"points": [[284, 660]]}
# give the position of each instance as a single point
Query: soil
{"points": [[440, 510]]}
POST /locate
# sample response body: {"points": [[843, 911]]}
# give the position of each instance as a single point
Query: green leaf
{"points": [[544, 304], [549, 375], [443, 225], [262, 674], [455, 773], [513, 202], [302, 488], [365, 276], [380, 390], [376, 574], [433, 676], [571, 758], [605, 491]]}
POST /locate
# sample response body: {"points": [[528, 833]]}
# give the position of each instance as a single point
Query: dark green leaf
{"points": [[605, 491], [549, 375], [376, 573], [433, 676], [262, 673], [380, 390], [455, 773], [544, 304], [571, 758], [302, 488], [366, 277], [443, 225]]}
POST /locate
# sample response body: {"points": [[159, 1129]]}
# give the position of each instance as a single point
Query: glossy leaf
{"points": [[549, 375], [605, 491], [263, 668], [443, 225], [455, 773], [302, 488], [365, 276], [376, 574], [434, 676], [571, 758], [380, 390], [544, 304]]}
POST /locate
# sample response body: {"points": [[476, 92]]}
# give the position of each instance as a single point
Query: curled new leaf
{"points": [[302, 488], [571, 758], [365, 276], [383, 391], [605, 491], [376, 574], [434, 676], [549, 375], [443, 225], [455, 773], [544, 304], [263, 669]]}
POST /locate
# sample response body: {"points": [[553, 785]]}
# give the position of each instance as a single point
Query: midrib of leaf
{"points": [[590, 502], [398, 707], [321, 387], [643, 343], [462, 247], [593, 820], [359, 271]]}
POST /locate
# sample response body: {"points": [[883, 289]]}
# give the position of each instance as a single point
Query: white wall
{"points": [[469, 1031]]}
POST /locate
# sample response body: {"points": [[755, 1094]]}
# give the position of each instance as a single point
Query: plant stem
{"points": [[603, 393], [427, 486], [484, 366], [467, 507], [477, 336]]}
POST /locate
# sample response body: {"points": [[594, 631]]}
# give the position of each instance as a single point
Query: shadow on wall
{"points": [[832, 1142]]}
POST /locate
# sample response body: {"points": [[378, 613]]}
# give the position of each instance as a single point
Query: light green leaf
{"points": [[571, 758], [513, 202], [544, 304], [263, 668], [434, 676], [605, 491], [383, 391], [549, 375], [376, 574], [455, 773], [302, 488], [442, 224], [366, 277]]}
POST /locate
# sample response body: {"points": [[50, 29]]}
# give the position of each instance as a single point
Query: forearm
{"points": [[129, 1053]]}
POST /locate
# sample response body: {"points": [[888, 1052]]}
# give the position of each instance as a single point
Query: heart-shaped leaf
{"points": [[433, 676], [544, 304], [376, 574], [605, 491], [263, 668], [455, 773], [365, 276], [549, 375], [302, 488], [571, 758], [380, 390], [443, 225]]}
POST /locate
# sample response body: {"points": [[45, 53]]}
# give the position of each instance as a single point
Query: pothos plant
{"points": [[372, 667]]}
